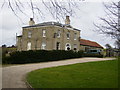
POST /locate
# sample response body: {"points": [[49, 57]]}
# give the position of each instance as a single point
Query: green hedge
{"points": [[40, 56]]}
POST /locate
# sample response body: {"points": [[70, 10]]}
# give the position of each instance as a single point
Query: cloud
{"points": [[89, 13]]}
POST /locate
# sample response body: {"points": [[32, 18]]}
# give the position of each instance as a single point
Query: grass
{"points": [[102, 74]]}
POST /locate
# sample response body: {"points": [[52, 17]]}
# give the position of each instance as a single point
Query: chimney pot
{"points": [[67, 20], [31, 19], [31, 22]]}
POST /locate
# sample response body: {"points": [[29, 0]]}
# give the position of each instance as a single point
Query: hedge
{"points": [[40, 56]]}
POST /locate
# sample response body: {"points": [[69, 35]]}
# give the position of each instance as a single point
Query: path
{"points": [[14, 76]]}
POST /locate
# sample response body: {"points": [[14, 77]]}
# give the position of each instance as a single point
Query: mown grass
{"points": [[102, 74]]}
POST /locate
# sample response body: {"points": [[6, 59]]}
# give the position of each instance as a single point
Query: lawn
{"points": [[102, 74]]}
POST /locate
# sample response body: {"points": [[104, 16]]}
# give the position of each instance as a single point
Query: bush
{"points": [[40, 56]]}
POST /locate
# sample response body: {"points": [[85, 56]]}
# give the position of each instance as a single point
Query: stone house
{"points": [[49, 36]]}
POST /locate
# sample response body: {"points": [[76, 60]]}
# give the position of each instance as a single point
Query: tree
{"points": [[108, 46], [111, 22], [57, 8], [4, 46], [109, 50]]}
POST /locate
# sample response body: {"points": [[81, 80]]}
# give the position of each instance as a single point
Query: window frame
{"points": [[58, 33], [29, 46], [58, 43], [67, 45], [29, 34], [75, 36], [43, 46], [68, 35], [43, 33], [75, 46]]}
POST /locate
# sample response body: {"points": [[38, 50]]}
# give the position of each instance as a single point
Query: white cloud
{"points": [[89, 12]]}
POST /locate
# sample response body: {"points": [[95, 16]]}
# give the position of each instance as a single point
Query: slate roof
{"points": [[51, 24], [89, 43]]}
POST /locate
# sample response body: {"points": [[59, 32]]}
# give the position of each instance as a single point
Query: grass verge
{"points": [[102, 74]]}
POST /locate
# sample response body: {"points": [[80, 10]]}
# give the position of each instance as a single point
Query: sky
{"points": [[89, 13]]}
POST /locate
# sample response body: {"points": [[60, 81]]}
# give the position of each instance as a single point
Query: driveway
{"points": [[14, 76]]}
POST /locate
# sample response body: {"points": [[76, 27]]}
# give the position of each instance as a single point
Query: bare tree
{"points": [[56, 8], [111, 22]]}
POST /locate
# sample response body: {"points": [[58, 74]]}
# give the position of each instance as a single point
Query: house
{"points": [[90, 46], [49, 36]]}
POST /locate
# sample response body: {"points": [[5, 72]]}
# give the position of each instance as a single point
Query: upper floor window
{"points": [[44, 33], [29, 34], [29, 46], [43, 45], [75, 36], [68, 35], [58, 34]]}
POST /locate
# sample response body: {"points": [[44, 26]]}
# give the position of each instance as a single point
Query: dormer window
{"points": [[75, 36], [44, 33], [68, 35], [29, 34]]}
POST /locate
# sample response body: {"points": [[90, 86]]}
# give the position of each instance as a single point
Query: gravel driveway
{"points": [[14, 76]]}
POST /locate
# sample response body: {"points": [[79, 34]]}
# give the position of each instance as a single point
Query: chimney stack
{"points": [[67, 20], [31, 22]]}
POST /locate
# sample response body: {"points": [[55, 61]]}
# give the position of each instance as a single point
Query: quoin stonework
{"points": [[51, 36]]}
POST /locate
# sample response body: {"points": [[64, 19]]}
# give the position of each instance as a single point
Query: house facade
{"points": [[49, 36]]}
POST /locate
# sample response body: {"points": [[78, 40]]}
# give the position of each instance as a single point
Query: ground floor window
{"points": [[68, 46], [58, 46], [29, 46], [75, 47], [43, 46]]}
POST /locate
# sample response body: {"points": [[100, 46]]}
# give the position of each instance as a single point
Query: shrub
{"points": [[40, 56]]}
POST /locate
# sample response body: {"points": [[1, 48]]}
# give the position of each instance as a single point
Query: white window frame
{"points": [[43, 46], [68, 35], [29, 34], [67, 46], [75, 46], [58, 33], [75, 36], [44, 33], [29, 46]]}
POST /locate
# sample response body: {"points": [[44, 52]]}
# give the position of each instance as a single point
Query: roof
{"points": [[51, 24], [89, 43]]}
